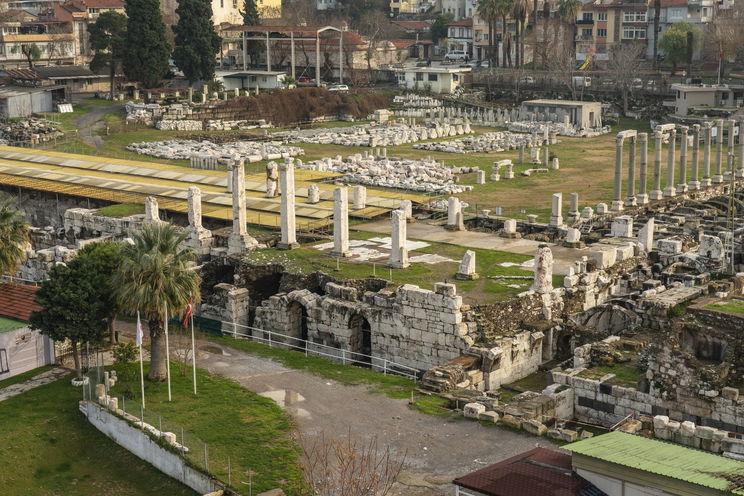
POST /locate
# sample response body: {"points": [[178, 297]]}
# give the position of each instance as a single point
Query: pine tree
{"points": [[107, 37], [196, 41], [250, 14], [147, 50]]}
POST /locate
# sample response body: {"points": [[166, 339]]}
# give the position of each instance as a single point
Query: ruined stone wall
{"points": [[512, 358], [84, 223]]}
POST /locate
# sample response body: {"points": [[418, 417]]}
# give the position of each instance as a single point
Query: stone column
{"points": [[360, 197], [573, 209], [546, 156], [670, 190], [191, 94], [694, 183], [454, 212], [230, 167], [152, 212], [287, 206], [239, 240], [630, 200], [642, 196], [313, 193], [617, 199], [195, 207], [200, 239], [740, 155], [718, 176], [340, 222], [708, 131], [730, 158], [407, 207], [398, 249], [521, 153], [682, 185], [543, 282], [556, 214], [656, 193]]}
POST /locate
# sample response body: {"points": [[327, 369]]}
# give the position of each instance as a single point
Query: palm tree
{"points": [[488, 12], [13, 237], [519, 13], [568, 10], [155, 275], [503, 9]]}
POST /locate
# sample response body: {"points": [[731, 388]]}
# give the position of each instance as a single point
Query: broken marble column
{"points": [[398, 249], [510, 229], [509, 172], [239, 240], [642, 197], [272, 178], [407, 207], [495, 176], [646, 235], [313, 193], [630, 200], [573, 209], [287, 206], [670, 190], [656, 193], [573, 238], [708, 131], [467, 267], [617, 197], [546, 156], [454, 214], [543, 282], [730, 151], [200, 239], [694, 183], [152, 212], [556, 214], [230, 167], [340, 222], [740, 152], [622, 226], [360, 197], [520, 158], [555, 164], [718, 175], [683, 138]]}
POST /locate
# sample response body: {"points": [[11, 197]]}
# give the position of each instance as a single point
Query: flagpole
{"points": [[193, 343], [167, 354], [142, 369]]}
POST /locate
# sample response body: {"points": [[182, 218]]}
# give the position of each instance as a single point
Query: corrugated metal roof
{"points": [[665, 459]]}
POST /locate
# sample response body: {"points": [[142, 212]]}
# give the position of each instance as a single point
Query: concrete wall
{"points": [[141, 445], [22, 350]]}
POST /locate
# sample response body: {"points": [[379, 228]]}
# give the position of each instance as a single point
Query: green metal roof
{"points": [[666, 459]]}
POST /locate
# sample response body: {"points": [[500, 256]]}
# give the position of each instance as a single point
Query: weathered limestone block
{"points": [[473, 410], [534, 427], [512, 421], [467, 267], [543, 282]]}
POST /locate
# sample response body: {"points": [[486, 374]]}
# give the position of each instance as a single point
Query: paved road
{"points": [[436, 448]]}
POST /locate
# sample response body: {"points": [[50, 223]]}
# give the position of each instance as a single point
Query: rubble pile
{"points": [[562, 129], [489, 142], [414, 175], [31, 131], [417, 101], [250, 151]]}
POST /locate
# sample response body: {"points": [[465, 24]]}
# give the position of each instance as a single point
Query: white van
{"points": [[584, 81], [455, 55]]}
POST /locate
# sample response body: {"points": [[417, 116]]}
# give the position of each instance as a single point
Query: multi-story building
{"points": [[24, 36], [459, 9], [325, 4], [460, 36], [603, 23], [696, 12], [398, 7]]}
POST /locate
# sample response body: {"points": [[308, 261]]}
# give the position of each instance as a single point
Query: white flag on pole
{"points": [[138, 336], [138, 342]]}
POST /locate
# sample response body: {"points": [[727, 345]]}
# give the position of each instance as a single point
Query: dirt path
{"points": [[33, 382], [437, 448], [91, 122]]}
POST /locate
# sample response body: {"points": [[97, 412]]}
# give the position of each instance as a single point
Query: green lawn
{"points": [[25, 375], [7, 324], [253, 431], [122, 210], [731, 306], [626, 374], [48, 448]]}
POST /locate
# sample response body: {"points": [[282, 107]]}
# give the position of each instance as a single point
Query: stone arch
{"points": [[299, 303], [360, 338]]}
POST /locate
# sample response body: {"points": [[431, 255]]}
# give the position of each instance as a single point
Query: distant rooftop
{"points": [[17, 301]]}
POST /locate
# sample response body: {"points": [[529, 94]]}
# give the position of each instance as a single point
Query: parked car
{"points": [[339, 87], [304, 80], [456, 55], [527, 80]]}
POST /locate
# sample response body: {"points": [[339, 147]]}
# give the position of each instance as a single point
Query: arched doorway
{"points": [[298, 324], [360, 340]]}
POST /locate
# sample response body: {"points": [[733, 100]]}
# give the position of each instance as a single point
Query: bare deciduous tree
{"points": [[624, 66], [562, 66], [349, 467]]}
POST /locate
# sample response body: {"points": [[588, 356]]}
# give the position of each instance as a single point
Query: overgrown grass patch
{"points": [[433, 405], [731, 306], [121, 210]]}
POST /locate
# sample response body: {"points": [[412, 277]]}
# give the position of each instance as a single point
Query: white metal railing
{"points": [[346, 357]]}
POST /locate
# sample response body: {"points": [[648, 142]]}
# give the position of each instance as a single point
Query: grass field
{"points": [[23, 376], [253, 431], [732, 306], [121, 210], [48, 448], [7, 324]]}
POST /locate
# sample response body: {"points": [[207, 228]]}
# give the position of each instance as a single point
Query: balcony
{"points": [[585, 22]]}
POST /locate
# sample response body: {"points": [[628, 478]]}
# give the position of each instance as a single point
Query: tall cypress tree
{"points": [[147, 49], [196, 41], [251, 17]]}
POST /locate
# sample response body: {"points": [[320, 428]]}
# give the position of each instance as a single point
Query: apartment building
{"points": [[459, 9], [398, 7], [696, 12], [602, 23], [460, 36]]}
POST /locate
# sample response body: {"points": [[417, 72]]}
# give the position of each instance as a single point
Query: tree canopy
{"points": [[196, 41], [107, 38], [13, 237], [438, 28], [674, 42], [147, 50]]}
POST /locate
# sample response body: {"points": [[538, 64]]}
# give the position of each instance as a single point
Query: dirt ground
{"points": [[436, 449]]}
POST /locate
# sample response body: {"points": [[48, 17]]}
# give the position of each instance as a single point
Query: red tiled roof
{"points": [[416, 25], [101, 4], [673, 3], [538, 471], [17, 301], [400, 44], [464, 22]]}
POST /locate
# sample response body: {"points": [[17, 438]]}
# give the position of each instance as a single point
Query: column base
{"points": [[398, 265], [508, 175], [617, 206], [631, 201], [726, 177], [739, 173], [340, 254], [642, 199], [238, 243], [287, 246], [694, 185], [656, 195], [573, 217], [670, 191], [717, 179], [705, 183], [681, 189], [556, 221]]}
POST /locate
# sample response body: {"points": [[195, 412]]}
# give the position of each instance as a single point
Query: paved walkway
{"points": [[564, 257], [436, 448], [33, 382]]}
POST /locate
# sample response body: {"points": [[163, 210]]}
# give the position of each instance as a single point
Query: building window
{"points": [[634, 17], [634, 34], [586, 33], [419, 76], [677, 14], [601, 16], [433, 77], [586, 16], [602, 33]]}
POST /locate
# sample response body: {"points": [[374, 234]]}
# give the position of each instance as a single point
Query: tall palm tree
{"points": [[155, 274], [503, 9], [13, 237], [487, 11], [569, 10], [519, 13]]}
